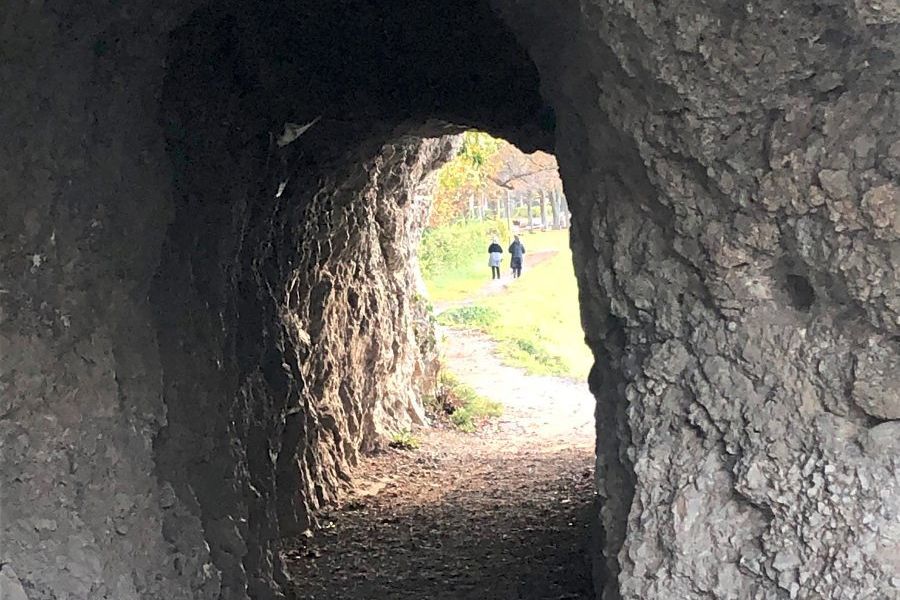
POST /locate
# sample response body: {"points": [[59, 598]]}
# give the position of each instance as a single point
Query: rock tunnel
{"points": [[209, 223]]}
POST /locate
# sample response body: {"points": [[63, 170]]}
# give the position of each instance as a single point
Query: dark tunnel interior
{"points": [[207, 262]]}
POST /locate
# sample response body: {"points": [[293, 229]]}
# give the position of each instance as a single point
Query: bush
{"points": [[454, 246], [532, 355], [522, 212]]}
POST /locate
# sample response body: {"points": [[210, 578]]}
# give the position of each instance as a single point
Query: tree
{"points": [[463, 177], [488, 168], [515, 170]]}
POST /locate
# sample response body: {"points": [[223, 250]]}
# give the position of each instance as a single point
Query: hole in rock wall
{"points": [[800, 291]]}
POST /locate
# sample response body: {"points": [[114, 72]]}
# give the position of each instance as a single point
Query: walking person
{"points": [[495, 255], [517, 256]]}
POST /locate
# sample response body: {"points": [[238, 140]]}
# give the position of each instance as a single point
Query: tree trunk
{"points": [[543, 211], [530, 201], [554, 209], [508, 220]]}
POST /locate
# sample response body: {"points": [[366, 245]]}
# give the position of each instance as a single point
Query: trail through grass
{"points": [[454, 258], [534, 319]]}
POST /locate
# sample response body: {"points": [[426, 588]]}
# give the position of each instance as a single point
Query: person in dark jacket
{"points": [[517, 256], [495, 255]]}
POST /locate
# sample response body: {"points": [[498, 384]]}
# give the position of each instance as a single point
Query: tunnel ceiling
{"points": [[433, 66]]}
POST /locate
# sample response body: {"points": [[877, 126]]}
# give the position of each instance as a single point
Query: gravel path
{"points": [[500, 514]]}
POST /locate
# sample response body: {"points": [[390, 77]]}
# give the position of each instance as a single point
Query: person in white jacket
{"points": [[495, 256]]}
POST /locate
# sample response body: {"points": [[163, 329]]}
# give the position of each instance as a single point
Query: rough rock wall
{"points": [[202, 327], [84, 204], [733, 174], [148, 432], [290, 333], [289, 341]]}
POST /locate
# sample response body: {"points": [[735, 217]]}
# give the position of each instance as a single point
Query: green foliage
{"points": [[463, 176], [469, 316], [404, 440], [433, 405], [530, 353], [475, 411], [453, 247], [521, 212], [540, 329], [468, 168], [535, 320], [477, 149], [466, 407], [523, 348]]}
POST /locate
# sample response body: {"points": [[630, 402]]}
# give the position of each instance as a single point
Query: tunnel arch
{"points": [[290, 257], [151, 276]]}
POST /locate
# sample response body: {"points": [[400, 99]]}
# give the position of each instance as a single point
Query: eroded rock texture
{"points": [[733, 172], [203, 324], [84, 209], [201, 327], [300, 348]]}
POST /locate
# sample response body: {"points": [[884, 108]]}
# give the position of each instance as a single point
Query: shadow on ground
{"points": [[453, 521]]}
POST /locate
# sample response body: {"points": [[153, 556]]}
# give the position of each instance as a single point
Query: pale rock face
{"points": [[201, 328], [10, 586], [734, 177]]}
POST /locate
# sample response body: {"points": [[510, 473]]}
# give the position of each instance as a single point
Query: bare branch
{"points": [[505, 183]]}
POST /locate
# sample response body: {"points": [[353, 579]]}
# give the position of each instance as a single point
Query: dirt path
{"points": [[500, 514]]}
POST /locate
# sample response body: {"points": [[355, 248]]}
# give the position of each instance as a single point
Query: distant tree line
{"points": [[490, 179]]}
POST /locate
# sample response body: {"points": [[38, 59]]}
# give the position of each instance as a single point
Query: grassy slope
{"points": [[535, 320], [541, 308], [460, 283]]}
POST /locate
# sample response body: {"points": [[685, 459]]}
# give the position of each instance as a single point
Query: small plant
{"points": [[530, 354], [432, 405], [465, 407], [470, 316], [404, 440]]}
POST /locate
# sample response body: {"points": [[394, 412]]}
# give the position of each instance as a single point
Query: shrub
{"points": [[454, 246], [523, 350], [464, 405], [469, 316]]}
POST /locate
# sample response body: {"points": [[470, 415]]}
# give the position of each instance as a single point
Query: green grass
{"points": [[474, 316], [466, 407], [535, 320], [460, 282], [454, 258]]}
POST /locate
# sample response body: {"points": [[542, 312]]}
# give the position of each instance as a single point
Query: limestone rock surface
{"points": [[204, 320], [732, 173]]}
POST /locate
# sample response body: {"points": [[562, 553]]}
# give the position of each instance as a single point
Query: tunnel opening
{"points": [[327, 115], [495, 257], [206, 227], [299, 138], [504, 451]]}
